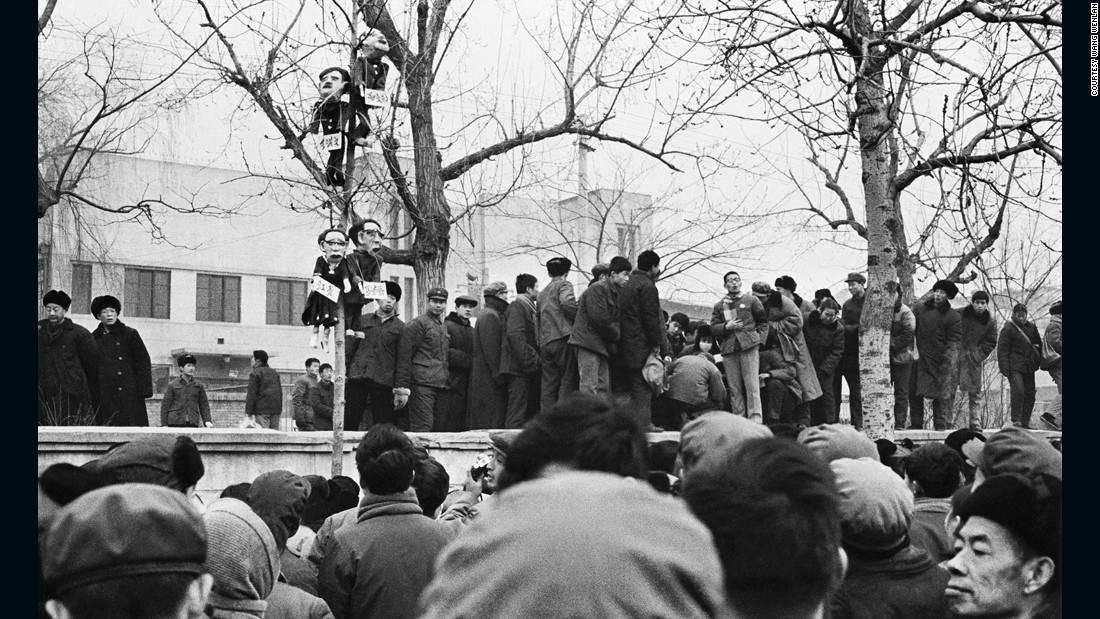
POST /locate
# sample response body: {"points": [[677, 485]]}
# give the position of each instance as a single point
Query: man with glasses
{"points": [[365, 265]]}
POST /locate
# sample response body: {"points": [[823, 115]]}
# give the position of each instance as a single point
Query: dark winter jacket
{"points": [[378, 566], [488, 400], [1018, 352], [289, 602], [641, 329], [926, 531], [184, 403], [751, 312], [422, 353], [557, 309], [265, 392], [908, 585], [825, 343], [374, 356], [125, 376], [597, 324], [460, 355], [321, 399], [694, 379], [68, 364], [938, 337], [786, 318], [299, 398], [979, 338], [850, 314], [519, 351], [1053, 337], [773, 363], [362, 267]]}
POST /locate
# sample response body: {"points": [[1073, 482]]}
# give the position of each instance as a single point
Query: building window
{"points": [[409, 294], [286, 300], [628, 238], [218, 298], [82, 289], [148, 293]]}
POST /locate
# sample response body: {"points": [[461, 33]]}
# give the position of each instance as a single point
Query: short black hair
{"points": [[662, 455], [431, 484], [620, 264], [260, 355], [353, 232], [936, 467], [648, 259], [774, 511], [728, 273], [681, 319], [324, 366], [525, 281], [311, 361], [583, 431], [558, 266], [386, 460], [156, 596]]}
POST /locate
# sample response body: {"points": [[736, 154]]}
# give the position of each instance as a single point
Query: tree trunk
{"points": [[432, 215]]}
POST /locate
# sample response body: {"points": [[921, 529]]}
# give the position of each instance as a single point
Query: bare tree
{"points": [[941, 102]]}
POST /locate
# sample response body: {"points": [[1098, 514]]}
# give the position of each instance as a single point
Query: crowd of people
{"points": [[574, 516], [766, 353]]}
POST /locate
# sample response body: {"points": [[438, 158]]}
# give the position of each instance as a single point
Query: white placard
{"points": [[375, 98], [327, 141], [326, 289], [373, 290]]}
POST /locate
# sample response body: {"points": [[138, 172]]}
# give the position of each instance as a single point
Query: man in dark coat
{"points": [[1053, 337], [126, 374], [939, 334], [264, 402], [450, 404], [641, 333], [322, 397], [850, 315], [519, 354], [372, 348], [488, 388], [299, 398], [1018, 359], [422, 363], [825, 339], [596, 331], [68, 367], [979, 338], [557, 310]]}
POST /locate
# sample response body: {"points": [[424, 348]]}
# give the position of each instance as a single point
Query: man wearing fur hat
{"points": [[1018, 359], [126, 374], [372, 348], [939, 334], [68, 367], [979, 338]]}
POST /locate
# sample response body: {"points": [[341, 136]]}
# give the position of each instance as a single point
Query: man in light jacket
{"points": [[557, 309]]}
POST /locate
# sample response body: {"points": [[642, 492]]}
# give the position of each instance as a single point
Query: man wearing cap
{"points": [[185, 404], [596, 330], [519, 354], [939, 334], [1013, 450], [450, 405], [979, 338], [372, 348], [264, 400], [126, 374], [848, 369], [741, 324], [642, 334], [422, 363], [1053, 338], [132, 550], [488, 388], [1008, 559], [557, 310], [787, 286], [68, 367], [1018, 358]]}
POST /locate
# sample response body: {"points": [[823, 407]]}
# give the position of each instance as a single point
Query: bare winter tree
{"points": [[944, 104]]}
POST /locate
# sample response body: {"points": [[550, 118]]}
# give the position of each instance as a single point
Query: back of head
{"points": [[648, 259], [243, 557], [876, 507], [662, 455], [773, 510], [831, 441], [386, 460], [583, 432], [260, 355], [161, 459], [937, 468], [524, 281], [279, 499], [1016, 450], [716, 431], [559, 266], [431, 484], [109, 548]]}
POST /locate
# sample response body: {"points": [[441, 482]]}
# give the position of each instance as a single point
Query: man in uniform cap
{"points": [[850, 314], [68, 367], [939, 335], [126, 375], [450, 405], [488, 393], [422, 363], [133, 550]]}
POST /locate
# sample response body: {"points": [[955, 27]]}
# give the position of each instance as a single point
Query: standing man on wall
{"points": [[264, 403], [850, 315], [68, 367], [596, 331], [642, 332], [741, 323], [979, 338], [557, 309], [422, 363], [488, 388], [939, 334], [126, 374], [519, 354], [299, 398], [450, 405]]}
